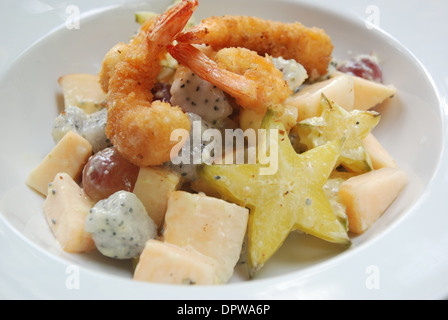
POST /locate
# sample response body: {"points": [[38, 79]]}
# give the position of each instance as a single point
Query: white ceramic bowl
{"points": [[411, 129]]}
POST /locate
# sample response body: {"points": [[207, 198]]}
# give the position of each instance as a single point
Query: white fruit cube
{"points": [[213, 227], [66, 208], [69, 156], [165, 263], [369, 195]]}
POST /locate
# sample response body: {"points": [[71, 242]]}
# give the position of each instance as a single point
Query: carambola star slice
{"points": [[290, 199], [334, 123]]}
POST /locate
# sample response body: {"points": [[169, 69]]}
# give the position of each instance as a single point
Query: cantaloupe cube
{"points": [[367, 93], [369, 195], [161, 262], [69, 156], [66, 208], [378, 154], [152, 188], [308, 100], [83, 91], [213, 227]]}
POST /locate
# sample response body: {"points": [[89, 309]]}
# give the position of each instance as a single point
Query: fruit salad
{"points": [[314, 166]]}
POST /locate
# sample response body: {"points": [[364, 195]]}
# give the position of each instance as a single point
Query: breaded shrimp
{"points": [[311, 47], [118, 52], [139, 128], [251, 79]]}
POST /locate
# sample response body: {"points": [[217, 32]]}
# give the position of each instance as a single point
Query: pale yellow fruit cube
{"points": [[82, 90], [379, 156], [66, 208], [369, 195], [308, 100], [367, 93], [165, 263], [213, 227], [69, 156], [152, 188]]}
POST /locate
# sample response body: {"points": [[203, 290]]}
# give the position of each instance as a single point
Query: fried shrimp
{"points": [[251, 79], [139, 128], [311, 47], [119, 51]]}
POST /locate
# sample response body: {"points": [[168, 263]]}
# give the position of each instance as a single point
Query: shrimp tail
{"points": [[172, 22], [251, 79], [207, 69]]}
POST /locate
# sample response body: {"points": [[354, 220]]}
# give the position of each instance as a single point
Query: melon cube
{"points": [[212, 226], [308, 100], [367, 93], [162, 262], [368, 196], [152, 188], [378, 154], [69, 156], [82, 90], [66, 208]]}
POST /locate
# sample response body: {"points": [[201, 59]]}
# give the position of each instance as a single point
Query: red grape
{"points": [[108, 172], [161, 91], [364, 66]]}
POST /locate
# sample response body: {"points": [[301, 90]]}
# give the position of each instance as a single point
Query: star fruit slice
{"points": [[334, 123], [291, 198]]}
